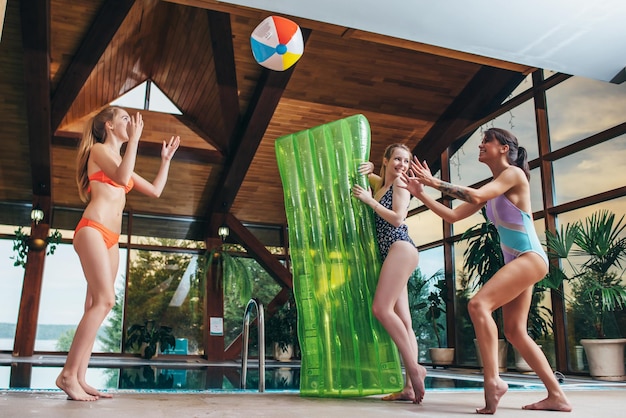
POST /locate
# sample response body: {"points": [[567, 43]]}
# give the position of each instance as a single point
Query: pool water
{"points": [[164, 377]]}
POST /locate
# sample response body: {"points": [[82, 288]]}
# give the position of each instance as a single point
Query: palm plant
{"points": [[437, 305], [234, 274], [596, 283], [483, 257]]}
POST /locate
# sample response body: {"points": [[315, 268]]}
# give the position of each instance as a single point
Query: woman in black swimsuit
{"points": [[399, 255]]}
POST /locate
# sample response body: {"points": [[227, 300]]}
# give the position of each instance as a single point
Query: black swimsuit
{"points": [[387, 234]]}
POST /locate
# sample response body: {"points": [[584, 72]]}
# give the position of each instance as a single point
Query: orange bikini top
{"points": [[103, 178]]}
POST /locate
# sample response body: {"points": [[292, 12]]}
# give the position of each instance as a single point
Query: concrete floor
{"points": [[605, 403]]}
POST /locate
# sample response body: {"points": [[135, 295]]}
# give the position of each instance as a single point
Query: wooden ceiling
{"points": [[61, 61]]}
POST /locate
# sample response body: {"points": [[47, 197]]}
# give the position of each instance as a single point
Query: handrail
{"points": [[244, 348]]}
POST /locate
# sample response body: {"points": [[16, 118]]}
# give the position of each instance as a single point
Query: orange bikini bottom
{"points": [[110, 238]]}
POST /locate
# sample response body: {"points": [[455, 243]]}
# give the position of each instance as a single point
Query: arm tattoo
{"points": [[454, 191]]}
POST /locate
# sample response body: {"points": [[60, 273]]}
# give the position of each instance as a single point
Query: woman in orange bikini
{"points": [[104, 177]]}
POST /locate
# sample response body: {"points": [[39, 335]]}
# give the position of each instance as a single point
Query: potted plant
{"points": [[482, 259], [598, 292], [281, 331], [150, 338], [23, 242], [440, 356]]}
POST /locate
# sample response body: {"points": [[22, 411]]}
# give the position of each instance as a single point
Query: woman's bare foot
{"points": [[407, 394], [550, 404], [93, 391], [417, 381], [73, 389], [493, 392]]}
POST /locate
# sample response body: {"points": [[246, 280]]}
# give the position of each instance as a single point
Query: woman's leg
{"points": [[94, 259], [394, 274], [404, 312], [114, 256], [507, 284], [515, 315]]}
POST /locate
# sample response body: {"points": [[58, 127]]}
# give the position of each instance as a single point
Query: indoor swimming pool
{"points": [[135, 375]]}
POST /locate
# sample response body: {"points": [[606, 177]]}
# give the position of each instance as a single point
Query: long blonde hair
{"points": [[94, 132], [387, 155]]}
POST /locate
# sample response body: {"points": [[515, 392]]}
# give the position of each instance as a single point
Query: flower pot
{"points": [[502, 352], [606, 358], [283, 354], [579, 365], [142, 351], [520, 363], [441, 356], [283, 378]]}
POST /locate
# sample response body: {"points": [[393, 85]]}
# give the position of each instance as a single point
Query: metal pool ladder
{"points": [[252, 303]]}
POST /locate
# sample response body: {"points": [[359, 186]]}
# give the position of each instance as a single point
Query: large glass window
{"points": [[589, 172], [264, 289], [584, 319], [536, 198], [580, 107], [62, 304], [425, 227], [460, 226], [10, 293], [421, 284], [167, 288]]}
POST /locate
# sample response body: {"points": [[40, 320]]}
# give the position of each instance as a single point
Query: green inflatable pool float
{"points": [[345, 350]]}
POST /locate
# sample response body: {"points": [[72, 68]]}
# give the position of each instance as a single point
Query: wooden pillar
{"points": [[21, 374], [26, 329], [448, 257], [547, 181], [214, 308]]}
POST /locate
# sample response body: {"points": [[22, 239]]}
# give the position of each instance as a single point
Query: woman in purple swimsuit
{"points": [[507, 198], [391, 302]]}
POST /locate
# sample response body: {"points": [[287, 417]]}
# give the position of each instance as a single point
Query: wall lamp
{"points": [[223, 232], [36, 215]]}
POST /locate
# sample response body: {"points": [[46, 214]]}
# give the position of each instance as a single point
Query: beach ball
{"points": [[277, 43]]}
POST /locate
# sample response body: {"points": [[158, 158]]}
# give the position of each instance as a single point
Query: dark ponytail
{"points": [[517, 155]]}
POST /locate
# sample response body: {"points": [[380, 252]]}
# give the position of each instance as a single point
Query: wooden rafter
{"points": [[93, 45], [224, 58], [482, 95], [243, 146], [35, 17]]}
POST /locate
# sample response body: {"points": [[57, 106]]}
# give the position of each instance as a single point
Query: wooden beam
{"points": [[95, 42], [224, 58], [28, 314], [35, 16], [482, 95], [257, 250], [213, 308], [244, 145]]}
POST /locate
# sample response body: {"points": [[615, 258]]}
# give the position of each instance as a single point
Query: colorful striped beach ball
{"points": [[277, 43]]}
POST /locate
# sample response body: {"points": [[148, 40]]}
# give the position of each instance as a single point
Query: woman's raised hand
{"points": [[135, 127], [421, 171], [169, 148]]}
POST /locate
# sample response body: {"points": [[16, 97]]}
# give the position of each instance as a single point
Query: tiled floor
{"points": [[587, 403], [590, 398]]}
